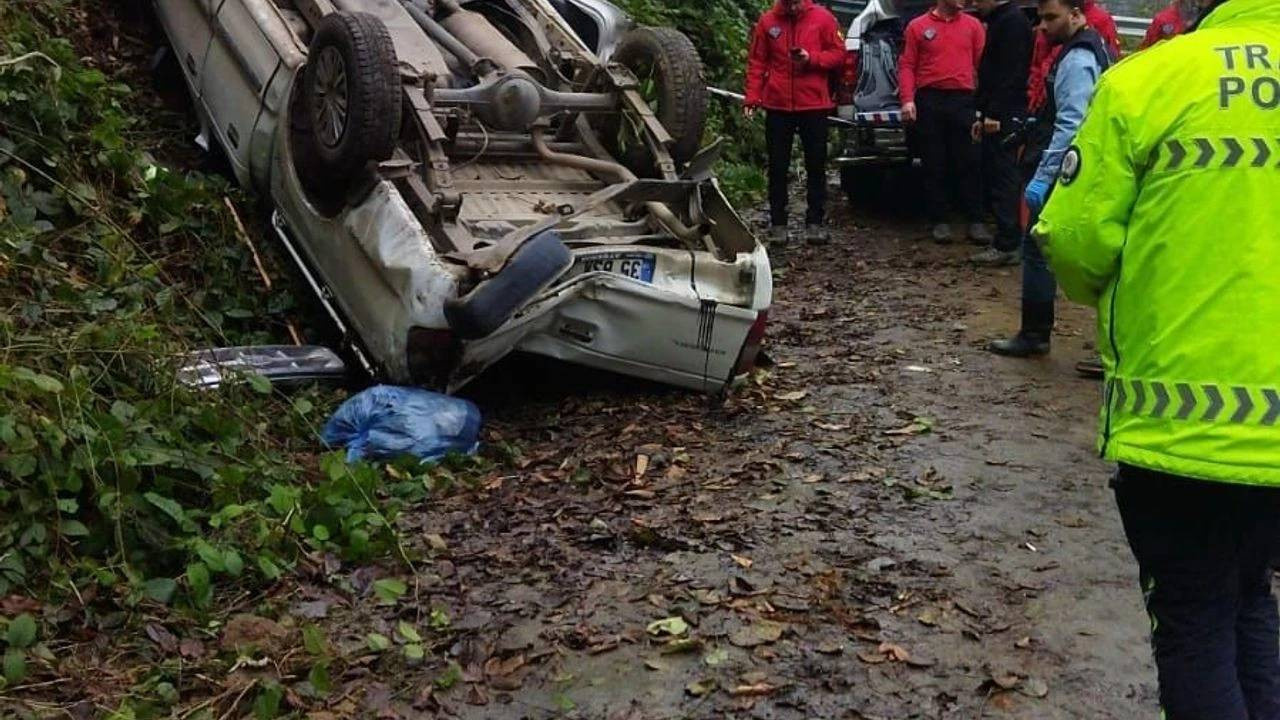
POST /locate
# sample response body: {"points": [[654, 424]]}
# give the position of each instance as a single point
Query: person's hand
{"points": [[975, 132], [1036, 195], [909, 113], [990, 127], [800, 56], [748, 111]]}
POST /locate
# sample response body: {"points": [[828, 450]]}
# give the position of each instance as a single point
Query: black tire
{"points": [[352, 95], [533, 267], [668, 58]]}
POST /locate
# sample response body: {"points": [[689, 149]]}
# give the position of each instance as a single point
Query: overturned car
{"points": [[459, 179]]}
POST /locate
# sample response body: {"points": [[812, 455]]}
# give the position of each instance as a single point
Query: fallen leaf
{"points": [[743, 561], [830, 647], [496, 667], [893, 652], [699, 688], [254, 632], [928, 618], [436, 542], [758, 633], [792, 396], [1024, 643], [161, 636], [871, 657], [642, 465], [1034, 687], [668, 626], [681, 645], [313, 610], [716, 657], [657, 665], [756, 690]]}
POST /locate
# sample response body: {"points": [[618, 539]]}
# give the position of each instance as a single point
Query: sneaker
{"points": [[778, 235], [942, 233], [980, 234], [816, 234], [992, 257]]}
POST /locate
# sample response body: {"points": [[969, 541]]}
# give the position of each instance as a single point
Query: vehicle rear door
{"points": [[243, 78], [189, 27]]}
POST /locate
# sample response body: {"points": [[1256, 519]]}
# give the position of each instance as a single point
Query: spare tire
{"points": [[669, 69], [352, 94]]}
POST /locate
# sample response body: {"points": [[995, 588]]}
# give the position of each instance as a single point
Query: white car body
{"points": [[378, 265]]}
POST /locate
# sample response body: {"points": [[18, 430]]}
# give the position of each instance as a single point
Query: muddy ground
{"points": [[887, 523]]}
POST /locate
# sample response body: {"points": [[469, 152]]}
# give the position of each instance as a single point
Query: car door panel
{"points": [[251, 44]]}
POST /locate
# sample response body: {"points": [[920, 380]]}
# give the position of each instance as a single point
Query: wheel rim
{"points": [[329, 99]]}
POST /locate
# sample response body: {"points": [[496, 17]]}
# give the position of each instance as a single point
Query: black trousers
{"points": [[950, 157], [1204, 554], [780, 130], [1002, 183]]}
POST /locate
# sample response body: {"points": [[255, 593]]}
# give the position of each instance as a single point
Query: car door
{"points": [[241, 83], [189, 26]]}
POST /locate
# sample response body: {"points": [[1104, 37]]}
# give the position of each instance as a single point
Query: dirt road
{"points": [[889, 523]]}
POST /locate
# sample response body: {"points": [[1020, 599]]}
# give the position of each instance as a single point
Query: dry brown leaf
{"points": [[745, 562], [642, 465], [792, 396], [893, 652], [757, 690]]}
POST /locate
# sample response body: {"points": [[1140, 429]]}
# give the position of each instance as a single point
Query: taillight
{"points": [[751, 348], [848, 88]]}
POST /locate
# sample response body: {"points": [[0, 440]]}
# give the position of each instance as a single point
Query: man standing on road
{"points": [[1045, 52], [1166, 221], [937, 75], [1002, 100], [1073, 78], [794, 47]]}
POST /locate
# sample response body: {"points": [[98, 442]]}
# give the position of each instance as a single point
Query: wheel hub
{"points": [[330, 99]]}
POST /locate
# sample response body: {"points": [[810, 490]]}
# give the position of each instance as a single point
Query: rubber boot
{"points": [[1033, 339]]}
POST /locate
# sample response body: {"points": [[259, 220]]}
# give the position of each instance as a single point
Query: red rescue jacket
{"points": [[1045, 53], [774, 80]]}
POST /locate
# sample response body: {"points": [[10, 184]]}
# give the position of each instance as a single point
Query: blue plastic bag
{"points": [[385, 422]]}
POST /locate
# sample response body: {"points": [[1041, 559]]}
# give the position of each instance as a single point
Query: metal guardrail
{"points": [[847, 10]]}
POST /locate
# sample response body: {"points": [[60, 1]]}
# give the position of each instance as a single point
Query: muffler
{"points": [[477, 33]]}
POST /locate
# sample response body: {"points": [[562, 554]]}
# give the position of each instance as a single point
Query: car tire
{"points": [[351, 87], [534, 266], [669, 58]]}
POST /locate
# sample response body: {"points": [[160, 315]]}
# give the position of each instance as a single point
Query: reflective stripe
{"points": [[1214, 152], [1197, 402]]}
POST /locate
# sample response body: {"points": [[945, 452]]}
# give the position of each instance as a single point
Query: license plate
{"points": [[632, 264]]}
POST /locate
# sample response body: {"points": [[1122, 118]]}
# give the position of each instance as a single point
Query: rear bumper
{"points": [[880, 138], [619, 324]]}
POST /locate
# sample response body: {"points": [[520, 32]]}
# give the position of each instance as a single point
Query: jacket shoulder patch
{"points": [[775, 32], [1071, 163]]}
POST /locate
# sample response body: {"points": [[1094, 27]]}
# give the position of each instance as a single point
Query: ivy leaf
{"points": [[407, 632], [172, 508], [313, 640], [319, 677], [260, 384], [201, 587], [377, 642], [414, 652], [22, 632], [269, 568], [389, 590], [160, 589], [233, 562], [73, 528], [15, 666]]}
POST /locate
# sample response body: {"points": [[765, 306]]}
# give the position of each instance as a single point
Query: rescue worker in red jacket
{"points": [[794, 48], [1171, 21], [1045, 53], [937, 76]]}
